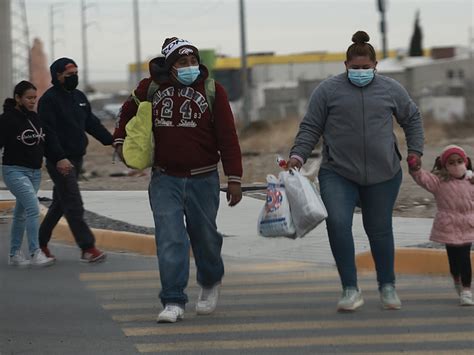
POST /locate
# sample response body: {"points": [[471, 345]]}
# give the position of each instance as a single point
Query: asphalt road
{"points": [[266, 307]]}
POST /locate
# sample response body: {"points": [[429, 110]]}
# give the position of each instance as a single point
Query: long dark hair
{"points": [[20, 89]]}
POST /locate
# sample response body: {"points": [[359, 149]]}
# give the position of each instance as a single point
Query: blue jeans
{"points": [[340, 197], [23, 183], [185, 211]]}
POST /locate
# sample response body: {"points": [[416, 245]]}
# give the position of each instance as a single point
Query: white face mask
{"points": [[457, 171]]}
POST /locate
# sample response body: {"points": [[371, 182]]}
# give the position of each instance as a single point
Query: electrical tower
{"points": [[20, 42], [6, 80]]}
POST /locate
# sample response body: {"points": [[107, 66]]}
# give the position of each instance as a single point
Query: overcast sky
{"points": [[281, 26]]}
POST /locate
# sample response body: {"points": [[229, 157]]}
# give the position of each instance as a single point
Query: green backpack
{"points": [[139, 145]]}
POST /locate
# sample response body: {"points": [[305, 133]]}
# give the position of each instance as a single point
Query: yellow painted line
{"points": [[292, 285], [234, 281], [247, 268], [154, 275], [469, 351], [305, 325], [279, 312], [271, 343], [306, 291], [7, 204], [301, 300], [122, 275]]}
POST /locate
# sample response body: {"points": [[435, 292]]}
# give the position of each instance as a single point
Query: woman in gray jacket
{"points": [[354, 112]]}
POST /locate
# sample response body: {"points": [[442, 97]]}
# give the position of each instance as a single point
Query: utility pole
{"points": [[52, 25], [51, 31], [20, 42], [245, 112], [6, 80], [136, 22], [85, 66], [382, 7]]}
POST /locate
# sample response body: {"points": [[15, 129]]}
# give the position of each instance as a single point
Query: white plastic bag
{"points": [[275, 218], [307, 207]]}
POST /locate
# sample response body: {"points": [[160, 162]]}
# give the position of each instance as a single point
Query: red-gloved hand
{"points": [[414, 162]]}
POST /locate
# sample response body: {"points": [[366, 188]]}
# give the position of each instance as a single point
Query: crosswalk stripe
{"points": [[290, 326], [312, 289], [241, 279], [254, 313], [259, 268], [244, 289], [259, 300], [465, 351], [296, 342]]}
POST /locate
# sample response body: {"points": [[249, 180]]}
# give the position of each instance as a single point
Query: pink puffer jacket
{"points": [[454, 220]]}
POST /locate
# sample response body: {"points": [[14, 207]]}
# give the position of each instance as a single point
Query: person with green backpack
{"points": [[184, 119]]}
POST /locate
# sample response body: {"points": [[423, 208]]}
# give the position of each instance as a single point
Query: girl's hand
{"points": [[414, 162]]}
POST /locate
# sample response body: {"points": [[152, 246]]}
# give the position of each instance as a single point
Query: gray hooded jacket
{"points": [[357, 128]]}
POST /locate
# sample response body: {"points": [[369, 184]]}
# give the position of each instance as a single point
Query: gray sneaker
{"points": [[350, 300], [389, 297]]}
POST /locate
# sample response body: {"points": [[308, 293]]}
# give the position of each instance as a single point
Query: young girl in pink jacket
{"points": [[453, 225]]}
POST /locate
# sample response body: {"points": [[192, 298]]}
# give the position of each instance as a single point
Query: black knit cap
{"points": [[59, 66], [174, 47]]}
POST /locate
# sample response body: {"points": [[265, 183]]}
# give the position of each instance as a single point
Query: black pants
{"points": [[67, 201], [460, 263]]}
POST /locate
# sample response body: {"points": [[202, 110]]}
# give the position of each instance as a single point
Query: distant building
{"points": [[281, 84]]}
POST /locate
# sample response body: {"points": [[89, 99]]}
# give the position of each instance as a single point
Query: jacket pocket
{"points": [[397, 151], [444, 223], [330, 159]]}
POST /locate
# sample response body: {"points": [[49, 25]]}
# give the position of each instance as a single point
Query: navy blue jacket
{"points": [[66, 117]]}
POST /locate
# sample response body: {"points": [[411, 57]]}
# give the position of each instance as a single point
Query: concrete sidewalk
{"points": [[239, 224]]}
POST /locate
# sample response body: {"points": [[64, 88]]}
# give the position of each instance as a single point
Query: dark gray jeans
{"points": [[67, 201]]}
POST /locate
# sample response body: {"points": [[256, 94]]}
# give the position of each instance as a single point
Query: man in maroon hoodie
{"points": [[192, 133]]}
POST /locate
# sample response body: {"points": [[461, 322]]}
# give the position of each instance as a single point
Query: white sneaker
{"points": [[465, 298], [18, 259], [350, 300], [171, 314], [207, 300], [39, 259]]}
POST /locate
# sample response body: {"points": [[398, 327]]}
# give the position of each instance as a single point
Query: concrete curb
{"points": [[7, 204], [108, 239], [407, 260], [412, 261]]}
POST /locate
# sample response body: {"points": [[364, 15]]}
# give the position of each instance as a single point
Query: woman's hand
{"points": [[294, 163]]}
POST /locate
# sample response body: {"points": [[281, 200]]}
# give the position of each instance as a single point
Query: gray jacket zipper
{"points": [[363, 136]]}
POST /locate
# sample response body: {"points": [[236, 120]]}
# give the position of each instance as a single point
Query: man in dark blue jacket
{"points": [[66, 116]]}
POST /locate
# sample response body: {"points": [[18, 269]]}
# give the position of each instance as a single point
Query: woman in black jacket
{"points": [[22, 138]]}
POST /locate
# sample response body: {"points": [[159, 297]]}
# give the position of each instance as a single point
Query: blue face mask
{"points": [[361, 77], [187, 75]]}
